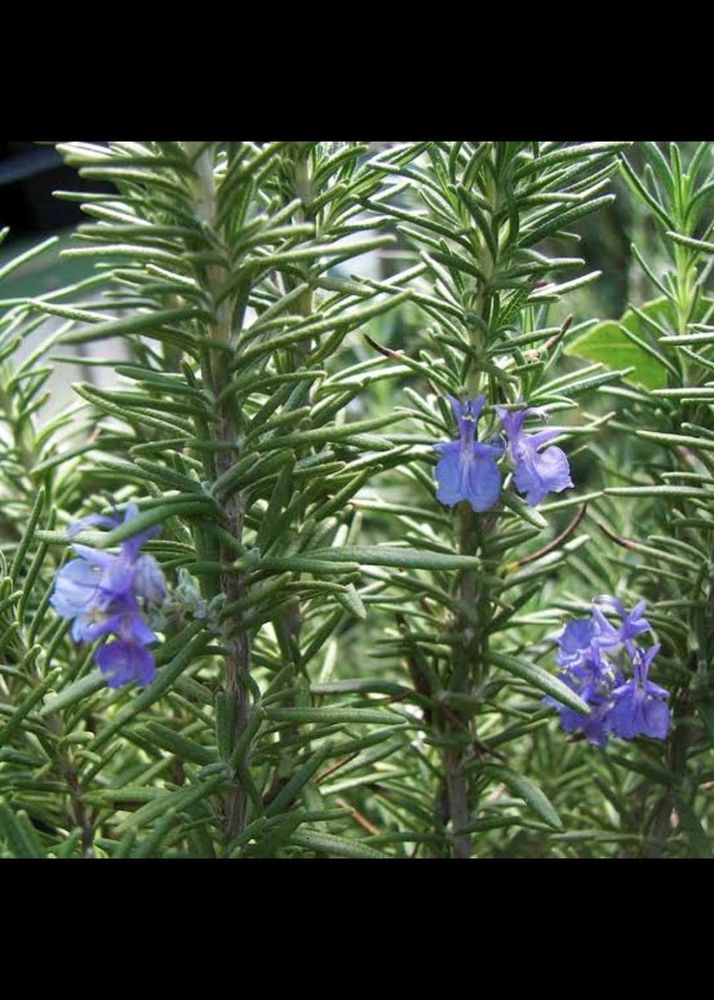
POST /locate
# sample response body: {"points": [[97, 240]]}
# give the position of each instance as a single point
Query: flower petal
{"points": [[489, 449], [448, 475], [130, 548], [76, 589], [89, 522], [150, 583], [539, 438], [457, 407], [482, 482], [92, 626], [540, 473], [656, 719], [511, 421], [95, 557], [124, 662]]}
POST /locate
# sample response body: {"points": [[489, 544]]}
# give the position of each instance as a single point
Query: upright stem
{"points": [[232, 584], [681, 735], [468, 663]]}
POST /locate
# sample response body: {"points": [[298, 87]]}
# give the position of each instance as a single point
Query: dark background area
{"points": [[29, 174]]}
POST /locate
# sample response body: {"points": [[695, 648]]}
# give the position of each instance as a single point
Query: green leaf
{"points": [[23, 258], [23, 709], [705, 709], [539, 678], [177, 744], [268, 843], [650, 769], [142, 323], [28, 535], [165, 679], [327, 844], [288, 793], [149, 847], [700, 845], [361, 685], [67, 848], [389, 555], [491, 823], [147, 519], [332, 715], [525, 789], [19, 833], [82, 688], [170, 803], [675, 492], [352, 602], [607, 344]]}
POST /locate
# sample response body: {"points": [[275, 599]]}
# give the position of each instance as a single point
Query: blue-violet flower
{"points": [[99, 592], [536, 473], [467, 468], [640, 706], [627, 709]]}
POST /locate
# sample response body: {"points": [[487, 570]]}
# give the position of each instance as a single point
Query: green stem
{"points": [[225, 431]]}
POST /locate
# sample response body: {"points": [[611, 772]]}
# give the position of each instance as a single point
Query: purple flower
{"points": [[122, 618], [88, 522], [77, 595], [126, 661], [467, 468], [627, 709], [592, 677], [633, 624], [575, 640], [128, 572], [640, 706], [99, 592], [536, 473], [595, 725]]}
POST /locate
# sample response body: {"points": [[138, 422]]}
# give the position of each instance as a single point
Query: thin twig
{"points": [[551, 545]]}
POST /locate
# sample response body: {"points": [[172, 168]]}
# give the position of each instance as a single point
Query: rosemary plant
{"points": [[666, 524], [287, 581], [476, 213]]}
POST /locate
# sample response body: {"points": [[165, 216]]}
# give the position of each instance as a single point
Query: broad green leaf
{"points": [[607, 344]]}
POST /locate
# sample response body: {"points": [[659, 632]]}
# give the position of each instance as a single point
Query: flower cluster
{"points": [[467, 469], [100, 593], [587, 648]]}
